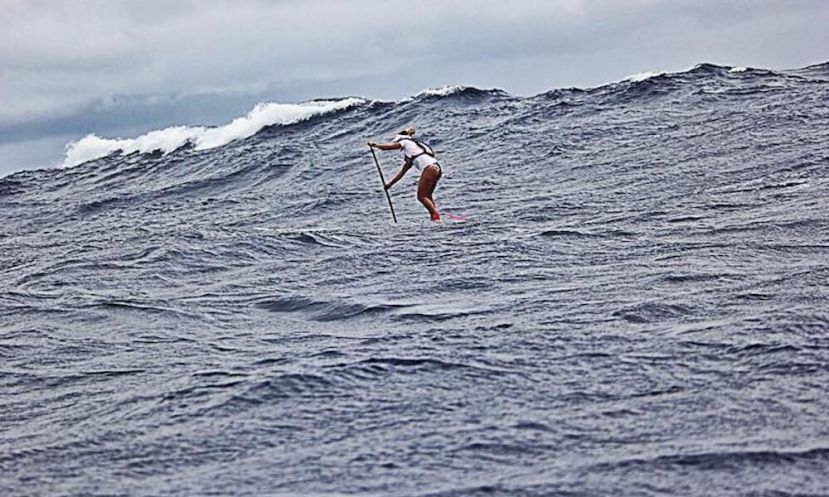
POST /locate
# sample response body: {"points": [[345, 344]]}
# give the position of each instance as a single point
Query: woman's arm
{"points": [[403, 170], [385, 146]]}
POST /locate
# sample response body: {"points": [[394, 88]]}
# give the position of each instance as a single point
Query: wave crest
{"points": [[441, 91], [458, 91], [201, 137]]}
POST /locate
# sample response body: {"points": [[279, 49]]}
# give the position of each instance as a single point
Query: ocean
{"points": [[637, 303]]}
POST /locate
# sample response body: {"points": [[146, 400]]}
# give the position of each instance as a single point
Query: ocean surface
{"points": [[637, 304]]}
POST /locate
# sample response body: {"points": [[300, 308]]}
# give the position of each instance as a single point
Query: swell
{"points": [[652, 86], [637, 295]]}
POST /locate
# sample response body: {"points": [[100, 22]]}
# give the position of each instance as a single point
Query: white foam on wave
{"points": [[643, 76], [169, 139], [441, 91]]}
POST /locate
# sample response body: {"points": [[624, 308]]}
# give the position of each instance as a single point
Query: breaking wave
{"points": [[169, 139]]}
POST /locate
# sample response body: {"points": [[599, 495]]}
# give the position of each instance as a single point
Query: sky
{"points": [[119, 68]]}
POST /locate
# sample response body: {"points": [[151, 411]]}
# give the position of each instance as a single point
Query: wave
{"points": [[169, 139], [458, 90], [263, 115], [201, 137], [441, 91], [819, 72], [701, 69], [644, 76], [615, 235], [324, 310]]}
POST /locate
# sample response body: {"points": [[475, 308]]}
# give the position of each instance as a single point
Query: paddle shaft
{"points": [[388, 197]]}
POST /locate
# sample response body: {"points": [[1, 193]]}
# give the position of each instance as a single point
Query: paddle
{"points": [[384, 182]]}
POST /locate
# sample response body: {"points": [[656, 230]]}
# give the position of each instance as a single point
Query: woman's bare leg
{"points": [[426, 187]]}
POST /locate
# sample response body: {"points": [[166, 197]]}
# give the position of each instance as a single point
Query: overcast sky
{"points": [[119, 68]]}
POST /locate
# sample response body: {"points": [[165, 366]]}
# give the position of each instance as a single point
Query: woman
{"points": [[423, 158]]}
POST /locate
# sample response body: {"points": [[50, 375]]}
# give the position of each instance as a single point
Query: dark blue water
{"points": [[638, 304]]}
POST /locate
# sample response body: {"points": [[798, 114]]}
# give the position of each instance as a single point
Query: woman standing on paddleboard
{"points": [[421, 156]]}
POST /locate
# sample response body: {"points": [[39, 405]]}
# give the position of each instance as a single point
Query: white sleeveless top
{"points": [[410, 149]]}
